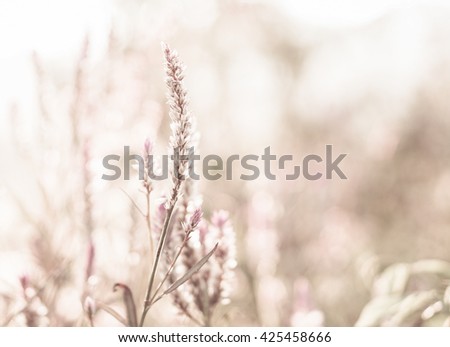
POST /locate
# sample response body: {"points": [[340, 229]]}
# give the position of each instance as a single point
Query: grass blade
{"points": [[190, 272], [129, 304]]}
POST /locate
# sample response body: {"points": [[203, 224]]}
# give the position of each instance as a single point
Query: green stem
{"points": [[159, 250], [169, 271]]}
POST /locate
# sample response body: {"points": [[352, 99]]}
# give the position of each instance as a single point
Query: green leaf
{"points": [[410, 309], [190, 272], [393, 280], [129, 304], [377, 310]]}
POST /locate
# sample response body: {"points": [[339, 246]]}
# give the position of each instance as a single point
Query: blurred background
{"points": [[82, 79]]}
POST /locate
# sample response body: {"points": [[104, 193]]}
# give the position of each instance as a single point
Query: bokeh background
{"points": [[80, 80]]}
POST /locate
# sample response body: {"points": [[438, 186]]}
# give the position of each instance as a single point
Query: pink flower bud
{"points": [[148, 146]]}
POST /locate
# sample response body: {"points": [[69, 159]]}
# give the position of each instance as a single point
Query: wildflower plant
{"points": [[192, 259]]}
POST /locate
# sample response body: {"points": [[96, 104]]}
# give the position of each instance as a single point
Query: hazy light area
{"points": [[331, 13], [80, 80], [56, 29], [53, 28]]}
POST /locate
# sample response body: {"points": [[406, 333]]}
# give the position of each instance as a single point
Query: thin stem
{"points": [[161, 243], [133, 202], [169, 271], [184, 310], [91, 321], [148, 220]]}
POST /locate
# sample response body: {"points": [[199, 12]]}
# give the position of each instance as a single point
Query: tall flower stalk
{"points": [[179, 145], [176, 224]]}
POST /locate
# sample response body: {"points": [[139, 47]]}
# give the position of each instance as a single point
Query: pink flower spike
{"points": [[148, 146], [196, 218]]}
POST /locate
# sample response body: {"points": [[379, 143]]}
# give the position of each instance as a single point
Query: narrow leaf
{"points": [[411, 307], [190, 272], [129, 304]]}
